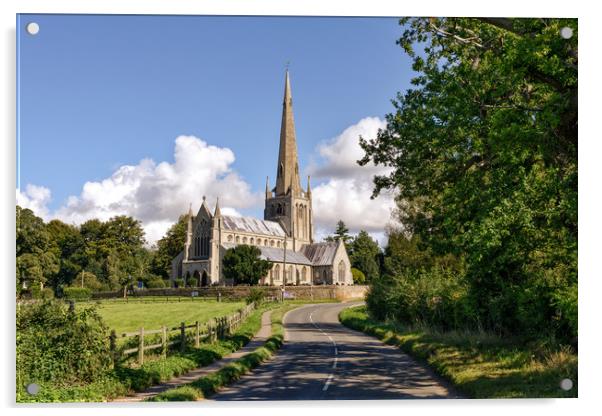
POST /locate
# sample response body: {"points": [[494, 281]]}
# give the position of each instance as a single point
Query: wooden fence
{"points": [[211, 331]]}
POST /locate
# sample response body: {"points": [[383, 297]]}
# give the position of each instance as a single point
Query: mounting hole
{"points": [[566, 32], [32, 28], [33, 388], [566, 384]]}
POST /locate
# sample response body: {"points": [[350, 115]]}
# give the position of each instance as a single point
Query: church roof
{"points": [[320, 254], [276, 255], [252, 225]]}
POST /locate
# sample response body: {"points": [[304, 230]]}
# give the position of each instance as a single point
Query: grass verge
{"points": [[206, 386], [156, 369], [479, 365]]}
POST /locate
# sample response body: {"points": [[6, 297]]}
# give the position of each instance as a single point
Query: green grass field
{"points": [[131, 316]]}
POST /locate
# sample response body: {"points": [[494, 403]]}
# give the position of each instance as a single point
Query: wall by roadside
{"points": [[240, 292]]}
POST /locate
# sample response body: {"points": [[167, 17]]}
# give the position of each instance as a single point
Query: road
{"points": [[323, 360]]}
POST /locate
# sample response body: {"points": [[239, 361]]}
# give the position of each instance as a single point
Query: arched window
{"points": [[252, 240], [304, 274], [324, 275], [272, 243], [278, 244], [259, 241], [237, 239], [289, 275], [230, 238], [244, 240], [341, 271], [277, 272]]}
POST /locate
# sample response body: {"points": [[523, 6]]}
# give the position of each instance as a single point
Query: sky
{"points": [[143, 115]]}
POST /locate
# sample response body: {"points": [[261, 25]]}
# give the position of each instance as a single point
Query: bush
{"points": [[46, 293], [60, 347], [256, 295], [179, 282], [155, 283], [359, 278], [77, 293]]}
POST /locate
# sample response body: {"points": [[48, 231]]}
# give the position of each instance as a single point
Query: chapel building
{"points": [[284, 236]]}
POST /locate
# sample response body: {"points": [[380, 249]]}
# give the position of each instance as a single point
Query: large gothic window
{"points": [[277, 272], [304, 274]]}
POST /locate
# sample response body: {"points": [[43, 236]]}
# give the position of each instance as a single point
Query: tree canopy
{"points": [[483, 151], [243, 265]]}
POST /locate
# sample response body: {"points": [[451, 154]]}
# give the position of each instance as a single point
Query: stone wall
{"points": [[240, 292]]}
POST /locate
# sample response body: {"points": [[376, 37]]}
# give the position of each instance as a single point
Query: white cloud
{"points": [[345, 191], [157, 194], [36, 198]]}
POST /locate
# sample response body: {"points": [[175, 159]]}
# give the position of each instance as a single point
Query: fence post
{"points": [[113, 346], [182, 337], [141, 346], [164, 341], [197, 336]]}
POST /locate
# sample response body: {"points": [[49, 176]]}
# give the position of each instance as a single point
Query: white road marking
{"points": [[336, 351], [327, 383]]}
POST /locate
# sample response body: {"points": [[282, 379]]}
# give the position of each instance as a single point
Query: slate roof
{"points": [[252, 225], [275, 254], [320, 254]]}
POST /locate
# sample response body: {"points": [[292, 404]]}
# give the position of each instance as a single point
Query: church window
{"points": [[324, 275], [341, 271], [278, 244], [237, 239], [272, 243], [277, 272], [244, 240], [252, 240], [259, 241], [230, 238], [304, 274], [289, 274]]}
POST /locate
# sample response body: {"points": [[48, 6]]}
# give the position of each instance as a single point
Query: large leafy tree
{"points": [[244, 265], [483, 151], [37, 257], [169, 246], [364, 255]]}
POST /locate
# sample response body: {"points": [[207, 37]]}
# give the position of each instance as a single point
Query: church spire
{"points": [[288, 165], [218, 212]]}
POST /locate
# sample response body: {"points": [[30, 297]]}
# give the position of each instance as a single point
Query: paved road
{"points": [[323, 360]]}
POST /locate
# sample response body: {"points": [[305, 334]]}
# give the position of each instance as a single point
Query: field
{"points": [[131, 316]]}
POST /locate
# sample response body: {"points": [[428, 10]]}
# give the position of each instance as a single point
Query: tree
{"points": [[169, 247], [364, 255], [37, 258], [243, 265], [341, 233], [483, 155], [358, 277]]}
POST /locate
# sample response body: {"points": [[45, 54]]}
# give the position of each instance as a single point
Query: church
{"points": [[285, 236]]}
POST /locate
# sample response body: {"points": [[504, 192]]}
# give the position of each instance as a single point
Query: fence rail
{"points": [[211, 331]]}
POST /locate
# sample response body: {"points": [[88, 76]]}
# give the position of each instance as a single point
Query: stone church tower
{"points": [[287, 203]]}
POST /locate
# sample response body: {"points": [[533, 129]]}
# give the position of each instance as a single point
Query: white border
{"points": [[589, 189]]}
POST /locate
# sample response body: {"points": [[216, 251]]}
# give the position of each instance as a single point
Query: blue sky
{"points": [[100, 92]]}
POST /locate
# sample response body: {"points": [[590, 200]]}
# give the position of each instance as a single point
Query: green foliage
{"points": [[483, 151], [60, 347], [179, 282], [77, 293], [340, 233], [169, 247], [364, 253], [358, 277], [155, 283], [478, 364], [243, 264], [256, 295]]}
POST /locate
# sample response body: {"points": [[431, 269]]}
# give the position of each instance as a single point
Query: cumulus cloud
{"points": [[345, 188], [36, 198], [156, 194]]}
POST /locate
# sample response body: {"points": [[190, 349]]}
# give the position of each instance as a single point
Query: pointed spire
{"points": [[268, 194], [308, 186], [288, 165], [218, 212]]}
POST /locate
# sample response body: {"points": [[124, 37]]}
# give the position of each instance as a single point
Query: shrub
{"points": [[179, 282], [155, 283], [60, 347], [256, 295], [46, 293], [77, 293], [359, 278]]}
